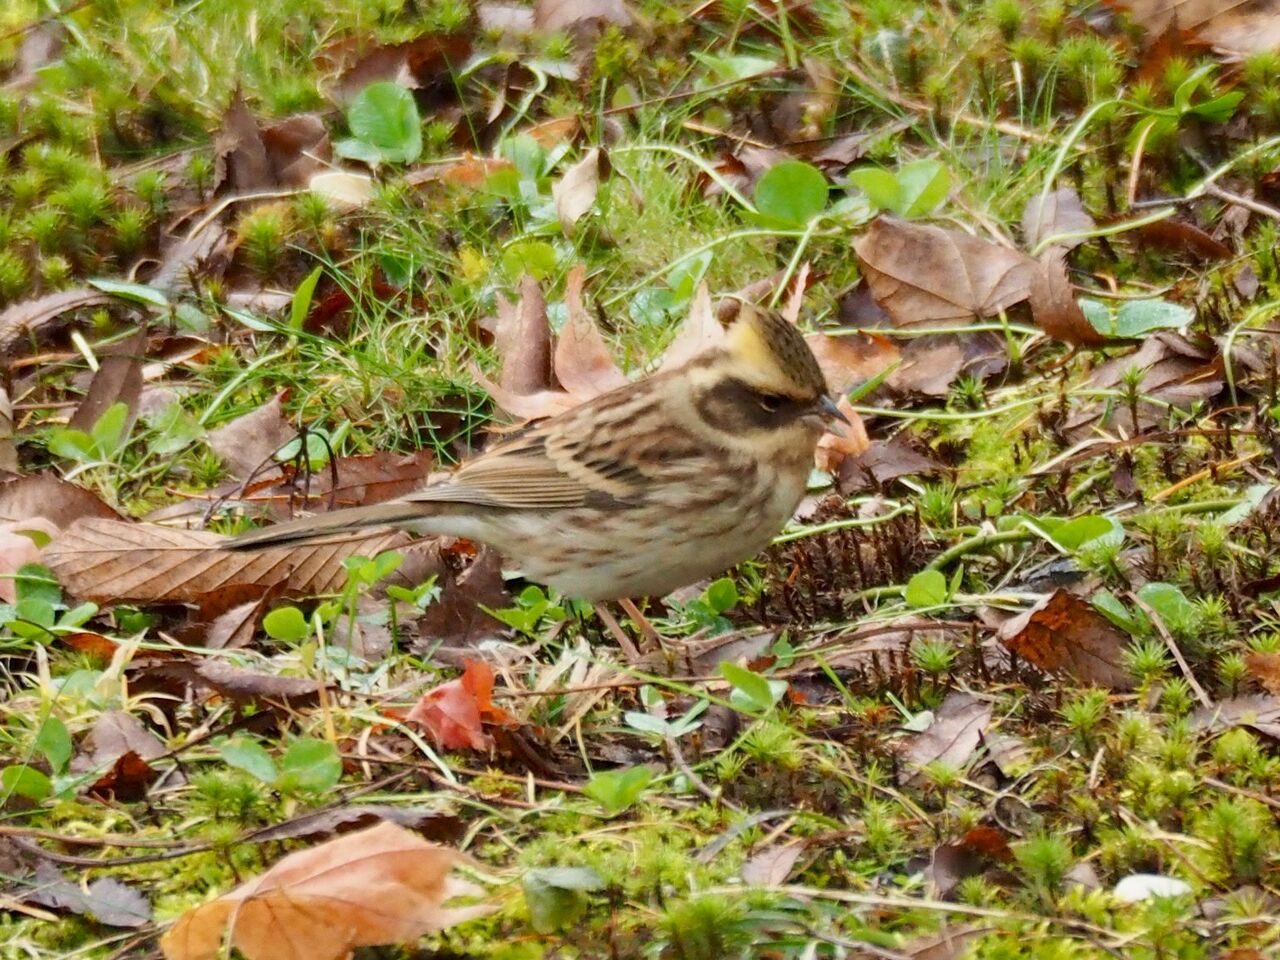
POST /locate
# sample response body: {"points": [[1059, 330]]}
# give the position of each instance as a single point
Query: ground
{"points": [[1018, 648]]}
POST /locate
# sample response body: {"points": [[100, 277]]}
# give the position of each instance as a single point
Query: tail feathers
{"points": [[327, 525]]}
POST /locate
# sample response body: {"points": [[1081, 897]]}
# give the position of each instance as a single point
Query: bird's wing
{"points": [[595, 455]]}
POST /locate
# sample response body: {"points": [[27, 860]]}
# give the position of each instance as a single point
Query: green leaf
{"points": [[384, 119], [137, 292], [792, 192], [725, 69], [1170, 603], [922, 185], [557, 896], [751, 691], [928, 588], [722, 595], [109, 431], [33, 581], [309, 765], [72, 444], [286, 623], [1087, 531], [35, 610], [534, 257], [880, 186], [1219, 109], [616, 790], [251, 757], [54, 743], [1135, 318], [25, 782], [302, 297], [1111, 607]]}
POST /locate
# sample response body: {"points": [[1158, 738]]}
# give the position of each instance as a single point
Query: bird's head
{"points": [[764, 383]]}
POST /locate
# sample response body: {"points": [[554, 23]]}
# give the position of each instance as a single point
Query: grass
{"points": [[1072, 789]]}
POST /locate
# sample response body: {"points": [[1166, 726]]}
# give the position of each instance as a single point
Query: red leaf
{"points": [[454, 712]]}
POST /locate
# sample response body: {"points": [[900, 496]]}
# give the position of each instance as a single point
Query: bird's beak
{"points": [[828, 406], [831, 412]]}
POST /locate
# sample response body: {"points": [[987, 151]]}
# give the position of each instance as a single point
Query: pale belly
{"points": [[606, 555]]}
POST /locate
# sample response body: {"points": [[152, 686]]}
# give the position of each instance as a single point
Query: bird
{"points": [[647, 488]]}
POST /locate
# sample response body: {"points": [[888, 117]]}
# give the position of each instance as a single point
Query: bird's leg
{"points": [[652, 640], [615, 630]]}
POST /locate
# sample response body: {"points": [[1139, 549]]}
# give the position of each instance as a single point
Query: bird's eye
{"points": [[771, 402]]}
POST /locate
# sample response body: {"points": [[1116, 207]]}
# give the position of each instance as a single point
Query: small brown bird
{"points": [[641, 490]]}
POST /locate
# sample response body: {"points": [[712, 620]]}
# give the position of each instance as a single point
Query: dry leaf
{"points": [[1236, 28], [455, 713], [553, 15], [1058, 213], [249, 158], [27, 318], [45, 495], [1064, 634], [700, 332], [1053, 303], [582, 362], [118, 380], [422, 62], [771, 866], [112, 561], [955, 733], [575, 192], [126, 781], [927, 276], [851, 440], [8, 452], [383, 885], [431, 824], [881, 463], [457, 618], [105, 900], [345, 190], [246, 443], [848, 362], [1265, 668]]}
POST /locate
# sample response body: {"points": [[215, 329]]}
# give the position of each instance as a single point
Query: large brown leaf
{"points": [[382, 885], [1065, 635], [926, 276], [1233, 26], [112, 561], [27, 318], [57, 500], [955, 733]]}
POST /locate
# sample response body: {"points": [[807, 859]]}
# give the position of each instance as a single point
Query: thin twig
{"points": [[1167, 637]]}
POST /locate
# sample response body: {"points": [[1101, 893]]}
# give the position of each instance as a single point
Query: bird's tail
{"points": [[327, 525]]}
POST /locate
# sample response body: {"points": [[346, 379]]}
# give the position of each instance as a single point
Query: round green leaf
{"points": [[310, 765], [792, 192], [384, 117], [928, 588], [286, 623]]}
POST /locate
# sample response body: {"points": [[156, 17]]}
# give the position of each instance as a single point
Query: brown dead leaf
{"points": [[1173, 233], [850, 441], [8, 452], [111, 561], [1053, 303], [229, 617], [701, 331], [28, 319], [955, 733], [456, 618], [246, 443], [1178, 372], [575, 192], [924, 275], [1265, 668], [553, 15], [383, 885], [423, 62], [771, 866], [118, 380], [249, 157], [582, 362], [106, 900], [1235, 27], [1260, 712], [204, 253], [1061, 212], [851, 361], [1064, 634], [524, 341], [882, 463], [424, 821], [126, 781], [114, 734], [251, 686]]}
